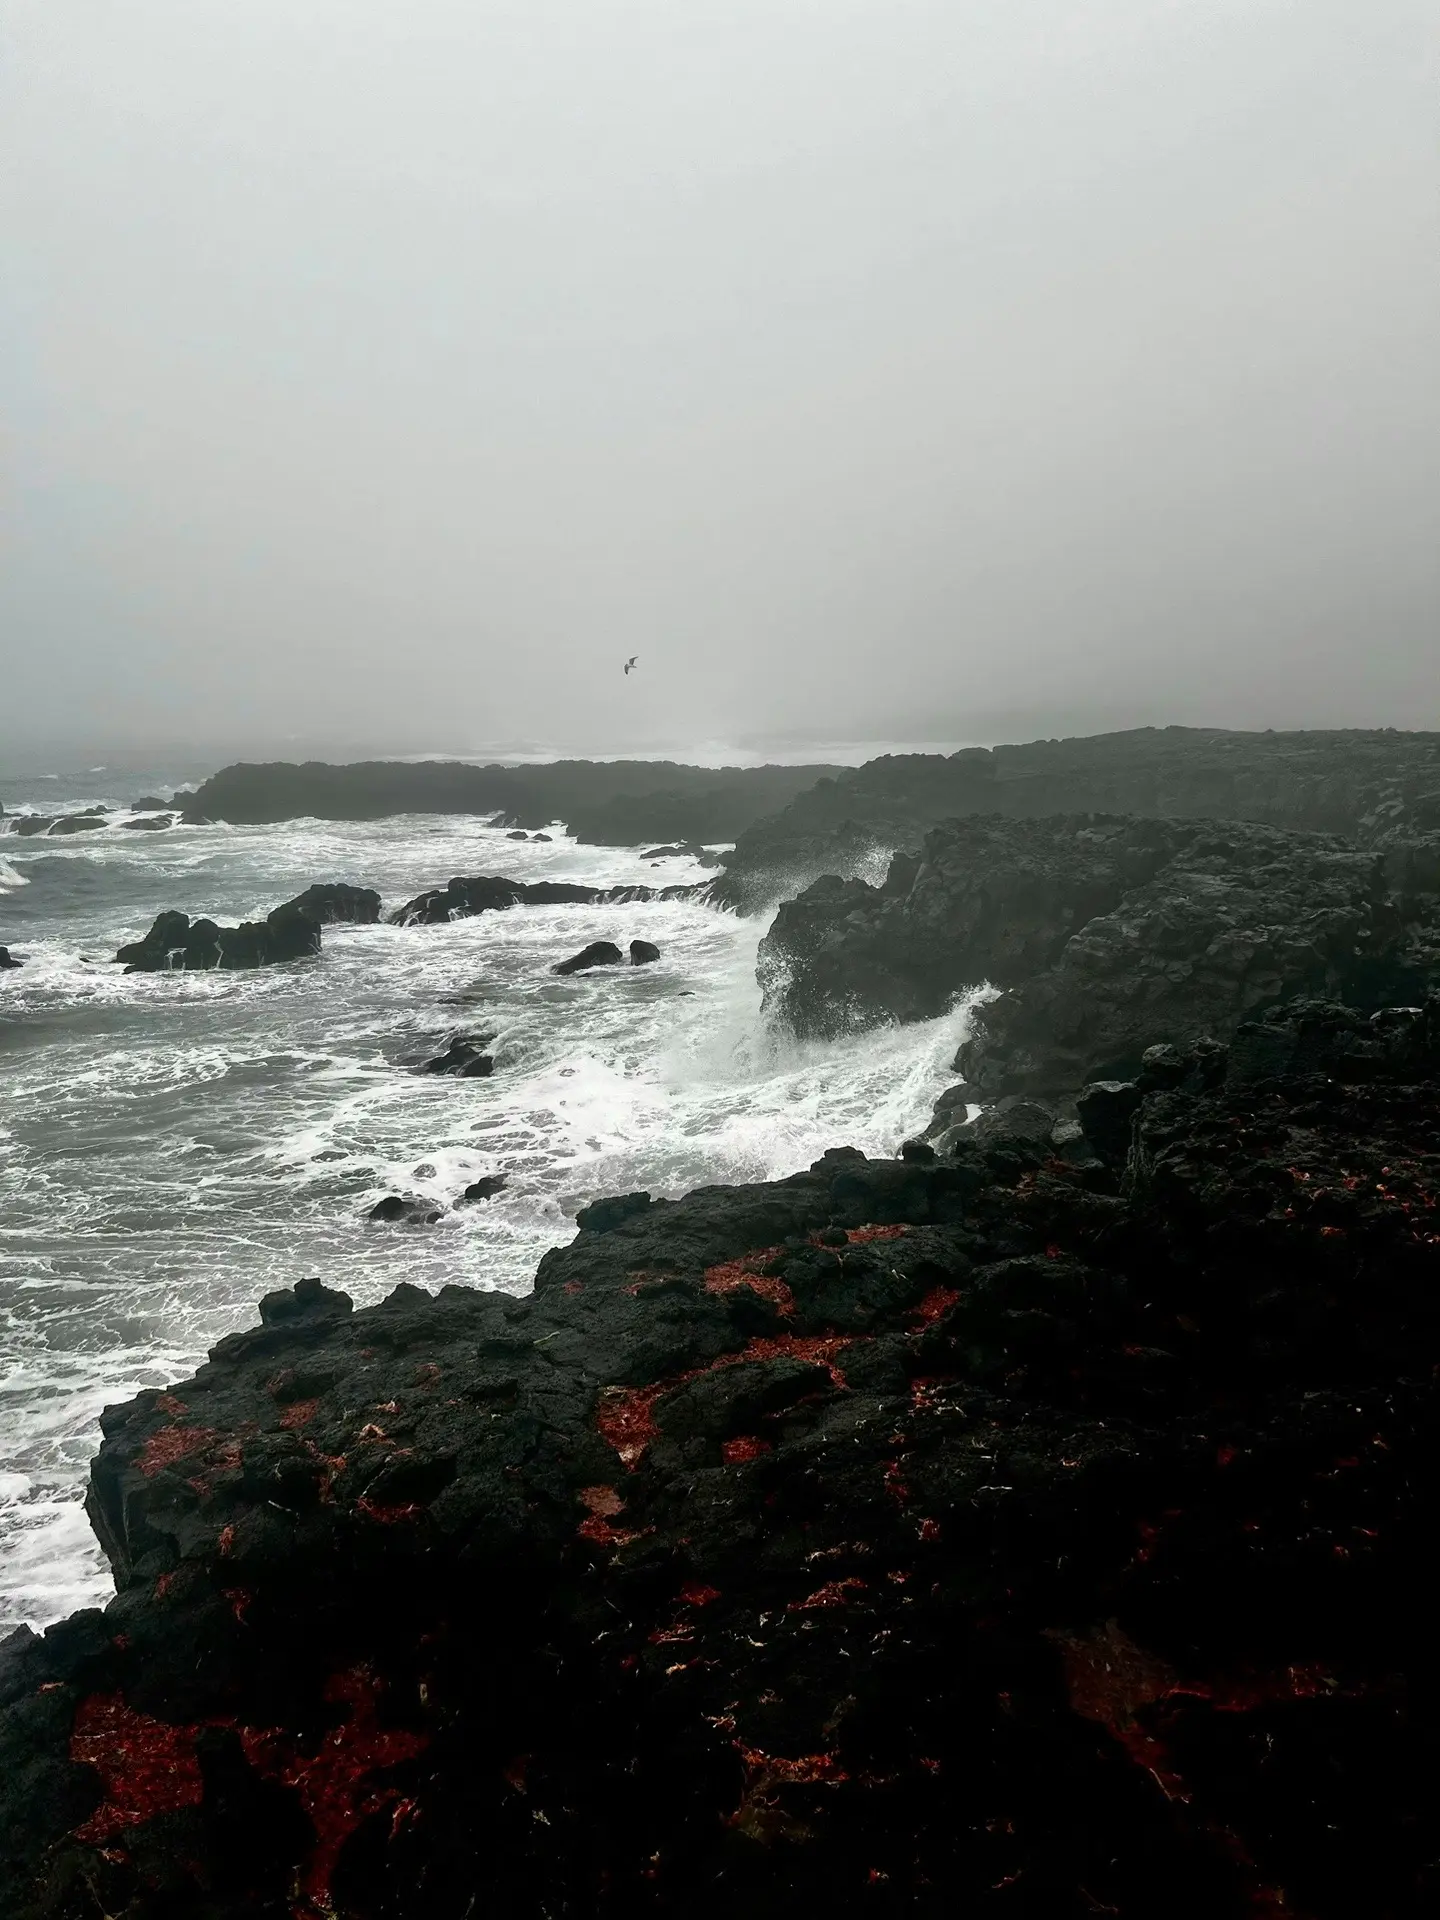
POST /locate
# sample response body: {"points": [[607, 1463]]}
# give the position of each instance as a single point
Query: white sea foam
{"points": [[172, 1146]]}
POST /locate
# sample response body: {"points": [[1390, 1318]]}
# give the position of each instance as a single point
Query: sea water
{"points": [[172, 1146]]}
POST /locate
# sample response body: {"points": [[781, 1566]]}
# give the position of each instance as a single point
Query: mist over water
{"points": [[174, 1146]]}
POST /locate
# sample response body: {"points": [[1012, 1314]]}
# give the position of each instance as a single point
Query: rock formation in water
{"points": [[614, 802], [599, 953], [336, 904], [176, 943], [8, 961], [900, 1538], [488, 893], [1365, 786], [1107, 935]]}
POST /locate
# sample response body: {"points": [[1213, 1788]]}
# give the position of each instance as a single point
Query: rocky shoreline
{"points": [[988, 1533]]}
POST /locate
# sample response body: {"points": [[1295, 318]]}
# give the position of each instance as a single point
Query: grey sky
{"points": [[958, 368]]}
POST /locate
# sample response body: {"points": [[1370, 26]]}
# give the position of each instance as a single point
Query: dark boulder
{"points": [[465, 1058], [643, 953], [599, 953], [29, 824], [404, 1210], [8, 960], [152, 823], [149, 805], [175, 943], [79, 823], [487, 1187], [335, 903], [517, 833]]}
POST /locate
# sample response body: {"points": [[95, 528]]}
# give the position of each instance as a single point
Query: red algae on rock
{"points": [[148, 1766]]}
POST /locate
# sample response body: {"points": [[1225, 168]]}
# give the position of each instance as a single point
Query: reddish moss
{"points": [[148, 1766], [835, 1593], [334, 1783], [299, 1413], [696, 1595], [388, 1516], [170, 1444], [938, 1301], [746, 1272], [861, 1236], [747, 1446]]}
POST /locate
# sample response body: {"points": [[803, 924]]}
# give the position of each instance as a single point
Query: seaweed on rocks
{"points": [[984, 1535]]}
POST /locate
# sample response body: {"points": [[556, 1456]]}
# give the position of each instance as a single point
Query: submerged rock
{"points": [[406, 1210], [78, 823], [465, 1058], [599, 953], [867, 1541], [152, 823], [487, 1187]]}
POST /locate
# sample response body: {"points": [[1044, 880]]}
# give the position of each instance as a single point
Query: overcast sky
{"points": [[959, 369]]}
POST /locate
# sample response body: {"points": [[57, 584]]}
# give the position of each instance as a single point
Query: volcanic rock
{"points": [[487, 1187], [864, 1542], [1108, 934], [465, 1058], [488, 893], [175, 942], [643, 953], [79, 823], [335, 903], [8, 960], [1367, 786], [152, 823], [599, 953], [406, 1210]]}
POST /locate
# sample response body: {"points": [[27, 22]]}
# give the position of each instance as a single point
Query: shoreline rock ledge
{"points": [[994, 1536]]}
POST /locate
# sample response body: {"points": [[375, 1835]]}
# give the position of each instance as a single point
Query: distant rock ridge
{"points": [[604, 802], [1369, 787]]}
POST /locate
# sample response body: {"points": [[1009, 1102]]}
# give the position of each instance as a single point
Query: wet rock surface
{"points": [[8, 960], [599, 953], [176, 943], [488, 893], [1107, 935], [987, 1535], [336, 904]]}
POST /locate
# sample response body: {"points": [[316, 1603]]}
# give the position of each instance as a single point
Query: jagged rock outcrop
{"points": [[488, 893], [335, 903], [899, 1538], [8, 961], [1106, 934], [1361, 785], [599, 953], [176, 943]]}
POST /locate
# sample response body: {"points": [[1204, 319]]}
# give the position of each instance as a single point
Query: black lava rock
{"points": [[8, 960], [643, 952], [599, 953], [897, 1538]]}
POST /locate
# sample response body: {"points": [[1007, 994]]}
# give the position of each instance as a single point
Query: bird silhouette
{"points": [[631, 661]]}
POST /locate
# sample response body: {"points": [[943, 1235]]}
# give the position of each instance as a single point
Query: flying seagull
{"points": [[631, 661]]}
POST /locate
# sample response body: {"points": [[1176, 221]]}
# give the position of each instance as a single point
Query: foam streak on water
{"points": [[172, 1146]]}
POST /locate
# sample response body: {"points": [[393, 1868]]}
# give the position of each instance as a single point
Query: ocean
{"points": [[173, 1146]]}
